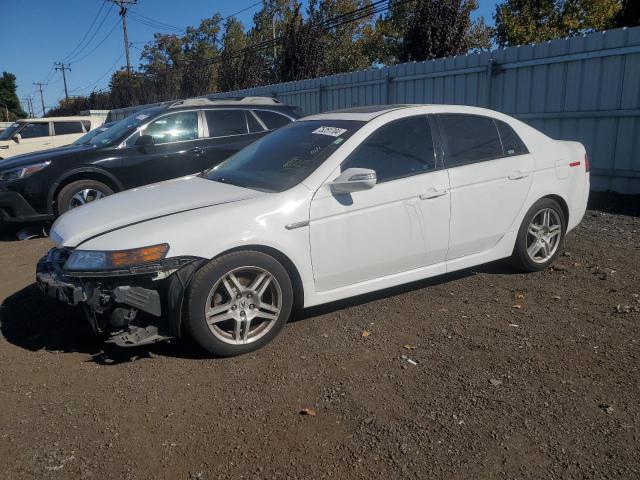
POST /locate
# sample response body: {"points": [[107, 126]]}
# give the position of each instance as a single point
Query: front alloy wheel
{"points": [[238, 302]]}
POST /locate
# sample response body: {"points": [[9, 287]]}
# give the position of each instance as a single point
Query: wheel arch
{"points": [[287, 263], [563, 204], [85, 173]]}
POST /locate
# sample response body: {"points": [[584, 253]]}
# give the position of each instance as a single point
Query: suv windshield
{"points": [[284, 158], [123, 127], [10, 131], [84, 140]]}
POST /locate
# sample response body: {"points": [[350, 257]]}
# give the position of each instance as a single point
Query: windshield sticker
{"points": [[331, 131], [142, 116]]}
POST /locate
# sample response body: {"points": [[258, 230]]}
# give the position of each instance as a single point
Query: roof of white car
{"points": [[368, 113]]}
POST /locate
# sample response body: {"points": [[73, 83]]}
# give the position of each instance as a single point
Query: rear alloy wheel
{"points": [[79, 193], [541, 236], [238, 303]]}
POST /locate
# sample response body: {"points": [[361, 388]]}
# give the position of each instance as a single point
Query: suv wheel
{"points": [[79, 193], [239, 302], [541, 236]]}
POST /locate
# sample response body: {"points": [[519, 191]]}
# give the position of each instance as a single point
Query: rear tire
{"points": [[80, 192], [541, 236], [238, 303]]}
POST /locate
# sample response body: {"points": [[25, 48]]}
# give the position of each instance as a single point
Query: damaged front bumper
{"points": [[136, 306]]}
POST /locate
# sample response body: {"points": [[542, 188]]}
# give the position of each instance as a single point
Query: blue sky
{"points": [[37, 33]]}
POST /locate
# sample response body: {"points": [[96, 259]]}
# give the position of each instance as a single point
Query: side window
{"points": [[87, 125], [67, 128], [271, 119], [35, 130], [469, 138], [254, 125], [223, 123], [395, 150], [511, 142], [175, 127]]}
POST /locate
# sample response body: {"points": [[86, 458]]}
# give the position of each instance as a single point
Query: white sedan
{"points": [[331, 206]]}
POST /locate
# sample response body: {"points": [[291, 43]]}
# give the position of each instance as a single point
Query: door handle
{"points": [[195, 151], [433, 193], [518, 175]]}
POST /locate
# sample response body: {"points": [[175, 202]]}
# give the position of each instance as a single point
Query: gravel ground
{"points": [[483, 374]]}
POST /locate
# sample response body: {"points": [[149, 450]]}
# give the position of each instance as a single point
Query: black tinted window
{"points": [[396, 150], [511, 142], [87, 125], [176, 127], [254, 125], [35, 130], [67, 128], [223, 123], [271, 119], [470, 138]]}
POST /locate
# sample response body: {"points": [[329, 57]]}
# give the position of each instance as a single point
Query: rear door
{"points": [[490, 173], [66, 132], [226, 132], [177, 150]]}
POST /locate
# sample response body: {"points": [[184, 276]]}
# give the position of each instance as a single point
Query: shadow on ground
{"points": [[34, 322]]}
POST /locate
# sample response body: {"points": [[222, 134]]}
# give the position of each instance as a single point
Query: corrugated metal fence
{"points": [[584, 88]]}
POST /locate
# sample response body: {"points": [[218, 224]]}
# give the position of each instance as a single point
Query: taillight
{"points": [[586, 163]]}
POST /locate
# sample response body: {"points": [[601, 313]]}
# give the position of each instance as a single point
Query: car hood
{"points": [[142, 204], [41, 156]]}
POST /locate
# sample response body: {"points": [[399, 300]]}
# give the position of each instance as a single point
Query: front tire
{"points": [[541, 236], [238, 303], [80, 192]]}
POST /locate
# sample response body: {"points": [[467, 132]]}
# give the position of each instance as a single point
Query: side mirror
{"points": [[145, 141], [354, 180], [16, 138]]}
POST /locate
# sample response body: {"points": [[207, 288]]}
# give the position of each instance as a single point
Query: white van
{"points": [[34, 134]]}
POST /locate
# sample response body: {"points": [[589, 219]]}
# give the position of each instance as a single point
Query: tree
{"points": [[302, 47], [628, 15], [521, 22], [9, 102], [425, 30]]}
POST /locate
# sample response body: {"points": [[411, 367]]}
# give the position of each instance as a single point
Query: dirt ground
{"points": [[516, 376]]}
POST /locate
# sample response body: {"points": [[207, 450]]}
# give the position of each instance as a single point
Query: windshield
{"points": [[10, 131], [84, 140], [284, 158], [122, 128]]}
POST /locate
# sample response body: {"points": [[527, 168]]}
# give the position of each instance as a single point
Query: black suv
{"points": [[159, 143]]}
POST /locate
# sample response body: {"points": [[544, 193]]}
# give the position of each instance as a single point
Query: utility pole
{"points": [[124, 5], [62, 67], [30, 103], [40, 85]]}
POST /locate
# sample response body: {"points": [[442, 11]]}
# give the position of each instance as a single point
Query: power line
{"points": [[115, 25], [93, 85], [73, 58], [86, 34]]}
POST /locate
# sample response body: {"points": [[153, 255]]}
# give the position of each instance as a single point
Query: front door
{"points": [[176, 151], [34, 136], [402, 223], [490, 179]]}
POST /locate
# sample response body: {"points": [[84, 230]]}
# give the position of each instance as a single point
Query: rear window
{"points": [[67, 128], [470, 138], [271, 119], [511, 142], [224, 123]]}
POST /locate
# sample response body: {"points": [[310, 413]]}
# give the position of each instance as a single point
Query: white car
{"points": [[35, 134], [331, 206]]}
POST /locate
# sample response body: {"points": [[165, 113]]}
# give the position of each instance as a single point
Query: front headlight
{"points": [[22, 172], [93, 260]]}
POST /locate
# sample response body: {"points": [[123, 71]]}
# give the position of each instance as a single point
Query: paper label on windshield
{"points": [[331, 131], [142, 116]]}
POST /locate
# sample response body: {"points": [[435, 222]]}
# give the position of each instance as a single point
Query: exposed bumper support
{"points": [[112, 304]]}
